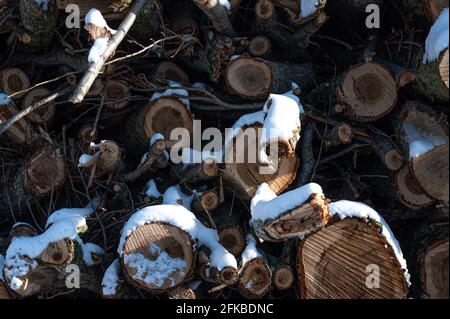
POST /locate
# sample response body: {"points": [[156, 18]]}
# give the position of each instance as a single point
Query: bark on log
{"points": [[227, 276], [368, 91], [428, 8], [43, 116], [183, 18], [149, 249], [111, 10], [194, 173], [433, 79], [340, 134], [386, 150], [282, 269], [159, 116], [424, 138], [432, 258], [148, 24], [219, 15], [332, 263], [40, 22]]}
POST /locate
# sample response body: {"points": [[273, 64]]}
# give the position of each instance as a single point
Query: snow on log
{"points": [[432, 75], [255, 276], [166, 111], [424, 138], [157, 247], [254, 78], [276, 129], [33, 262], [432, 257], [289, 215], [337, 261], [367, 91], [112, 282], [196, 167]]}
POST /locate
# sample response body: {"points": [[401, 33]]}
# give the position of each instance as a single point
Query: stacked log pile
{"points": [[190, 149]]}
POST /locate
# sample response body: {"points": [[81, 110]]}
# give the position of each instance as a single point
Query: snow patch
{"points": [[175, 89], [84, 159], [250, 252], [152, 189], [281, 123], [437, 40], [95, 17], [308, 7], [98, 50], [43, 4], [348, 209], [4, 99], [155, 272], [225, 3], [182, 218], [111, 279], [267, 205], [89, 250], [419, 141], [175, 196]]}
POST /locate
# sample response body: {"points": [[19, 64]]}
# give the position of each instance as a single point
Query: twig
{"points": [[95, 68]]}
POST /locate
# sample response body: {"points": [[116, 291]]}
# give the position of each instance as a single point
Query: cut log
{"points": [[255, 79], [408, 191], [229, 227], [4, 292], [206, 202], [386, 150], [255, 276], [368, 91], [433, 79], [20, 132], [116, 103], [44, 115], [432, 256], [332, 263], [260, 46], [110, 157], [46, 171], [43, 258], [290, 215], [282, 270], [13, 80], [40, 21], [424, 138], [158, 257], [227, 276], [218, 13], [153, 160], [340, 134], [168, 71], [159, 116], [183, 18], [267, 23], [193, 173]]}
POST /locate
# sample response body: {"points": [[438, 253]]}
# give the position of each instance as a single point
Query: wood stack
{"points": [[225, 149]]}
